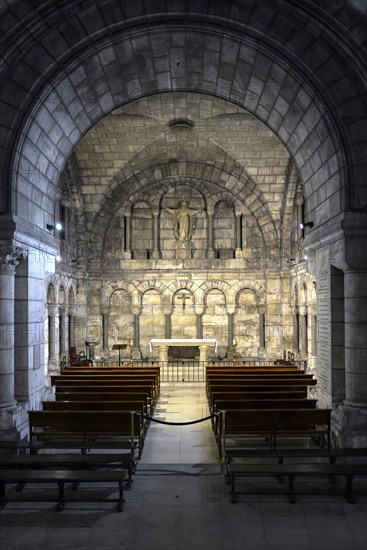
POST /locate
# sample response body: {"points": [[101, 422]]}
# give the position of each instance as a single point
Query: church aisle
{"points": [[191, 444]]}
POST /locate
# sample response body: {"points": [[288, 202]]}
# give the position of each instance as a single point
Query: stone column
{"points": [[155, 251], [9, 260], [104, 313], [296, 332], [136, 335], [128, 235], [168, 325], [238, 236], [71, 328], [199, 310], [203, 352], [303, 329], [230, 331], [61, 331], [210, 251], [52, 334]]}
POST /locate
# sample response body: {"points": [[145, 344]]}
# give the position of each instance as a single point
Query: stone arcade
{"points": [[252, 117]]}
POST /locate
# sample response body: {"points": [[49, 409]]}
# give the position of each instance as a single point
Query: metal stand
{"points": [[234, 354], [119, 347], [131, 344]]}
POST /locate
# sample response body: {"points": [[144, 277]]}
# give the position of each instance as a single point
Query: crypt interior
{"points": [[181, 145]]}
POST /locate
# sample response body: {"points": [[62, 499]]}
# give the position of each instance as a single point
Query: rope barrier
{"points": [[176, 423]]}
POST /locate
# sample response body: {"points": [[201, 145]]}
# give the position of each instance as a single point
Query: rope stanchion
{"points": [[150, 418]]}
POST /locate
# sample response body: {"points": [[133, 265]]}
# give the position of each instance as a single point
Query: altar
{"points": [[164, 343]]}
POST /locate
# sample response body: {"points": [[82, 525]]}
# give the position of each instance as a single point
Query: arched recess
{"points": [[152, 318], [141, 230], [163, 175], [215, 318], [183, 318], [223, 230], [247, 323], [120, 318]]}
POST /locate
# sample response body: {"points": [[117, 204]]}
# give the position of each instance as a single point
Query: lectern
{"points": [[119, 347]]}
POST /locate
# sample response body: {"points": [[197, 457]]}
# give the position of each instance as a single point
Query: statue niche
{"points": [[184, 226]]}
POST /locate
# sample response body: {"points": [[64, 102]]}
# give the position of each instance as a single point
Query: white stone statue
{"points": [[184, 221]]}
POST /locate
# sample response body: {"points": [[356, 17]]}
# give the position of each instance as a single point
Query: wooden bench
{"points": [[219, 395], [106, 397], [118, 406], [72, 381], [121, 426], [262, 386], [293, 470], [22, 476], [272, 424], [235, 452], [226, 404], [71, 460], [148, 390]]}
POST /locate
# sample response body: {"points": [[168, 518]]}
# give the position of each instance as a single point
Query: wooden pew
{"points": [[137, 388], [272, 424], [251, 370], [257, 387], [60, 477], [136, 406], [216, 395], [97, 395], [226, 404], [123, 426], [114, 371], [60, 380], [77, 371], [68, 460], [114, 385], [349, 471]]}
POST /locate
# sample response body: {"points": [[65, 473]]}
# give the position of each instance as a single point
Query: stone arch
{"points": [[62, 295], [120, 317], [215, 317], [176, 286], [256, 287], [51, 294], [110, 287], [207, 286], [241, 187], [318, 149]]}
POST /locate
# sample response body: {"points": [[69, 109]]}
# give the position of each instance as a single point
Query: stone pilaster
{"points": [[9, 260], [155, 251]]}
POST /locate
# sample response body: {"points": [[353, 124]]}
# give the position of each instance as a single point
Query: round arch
{"points": [[293, 98]]}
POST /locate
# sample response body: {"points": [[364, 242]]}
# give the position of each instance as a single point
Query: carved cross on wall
{"points": [[183, 297]]}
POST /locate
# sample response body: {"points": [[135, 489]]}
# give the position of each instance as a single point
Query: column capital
{"points": [[10, 256]]}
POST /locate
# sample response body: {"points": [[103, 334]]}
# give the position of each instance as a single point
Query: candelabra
{"points": [[131, 344]]}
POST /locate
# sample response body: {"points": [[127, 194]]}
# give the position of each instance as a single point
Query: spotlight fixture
{"points": [[305, 258], [51, 227], [306, 224]]}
